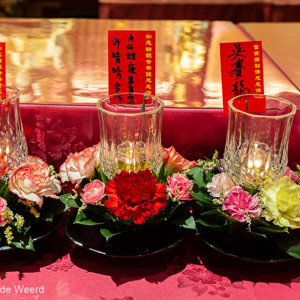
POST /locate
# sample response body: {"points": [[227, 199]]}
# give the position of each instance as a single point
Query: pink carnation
{"points": [[288, 172], [93, 192], [31, 181], [240, 205], [80, 165], [3, 205], [173, 158], [178, 186]]}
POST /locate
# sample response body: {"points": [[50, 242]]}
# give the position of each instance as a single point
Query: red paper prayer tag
{"points": [[242, 73], [2, 72], [131, 63]]}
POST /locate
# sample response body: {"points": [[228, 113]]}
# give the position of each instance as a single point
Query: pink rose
{"points": [[31, 181], [177, 186], [220, 182], [240, 205], [3, 205], [173, 158], [80, 165], [93, 192], [288, 172]]}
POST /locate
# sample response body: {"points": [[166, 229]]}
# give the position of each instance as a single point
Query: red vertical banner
{"points": [[2, 71], [242, 73], [131, 63]]}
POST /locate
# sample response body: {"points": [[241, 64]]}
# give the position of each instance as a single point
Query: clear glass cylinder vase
{"points": [[130, 134], [256, 150], [13, 146]]}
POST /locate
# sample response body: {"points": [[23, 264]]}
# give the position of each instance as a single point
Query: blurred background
{"points": [[231, 10]]}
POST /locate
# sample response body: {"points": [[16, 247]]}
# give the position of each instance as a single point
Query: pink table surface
{"points": [[191, 271]]}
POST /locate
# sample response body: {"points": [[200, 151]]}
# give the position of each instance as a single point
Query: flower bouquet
{"points": [[256, 224], [28, 204], [137, 204]]}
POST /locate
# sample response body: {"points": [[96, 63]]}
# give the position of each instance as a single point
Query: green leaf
{"points": [[169, 171], [51, 208], [270, 229], [162, 176], [3, 188], [212, 218], [6, 193], [86, 218], [185, 222], [107, 233], [210, 212], [201, 197], [255, 234], [23, 241], [197, 174], [289, 243], [161, 173], [207, 224], [103, 176], [69, 201]]}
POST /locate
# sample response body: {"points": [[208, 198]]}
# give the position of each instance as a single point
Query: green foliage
{"points": [[52, 208], [101, 176], [186, 221], [94, 215], [23, 241], [162, 175], [108, 232], [198, 177], [289, 243], [86, 217], [70, 200], [213, 219]]}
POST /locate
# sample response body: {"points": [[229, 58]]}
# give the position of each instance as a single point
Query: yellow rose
{"points": [[281, 200]]}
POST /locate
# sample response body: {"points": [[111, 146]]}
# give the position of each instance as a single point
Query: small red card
{"points": [[242, 72], [2, 71], [131, 62]]}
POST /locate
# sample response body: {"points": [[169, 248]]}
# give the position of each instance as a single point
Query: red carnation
{"points": [[135, 196]]}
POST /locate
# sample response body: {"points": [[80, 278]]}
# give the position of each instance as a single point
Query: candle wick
{"points": [[144, 103]]}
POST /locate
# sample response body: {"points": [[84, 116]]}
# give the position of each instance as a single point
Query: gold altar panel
{"points": [[64, 61], [281, 41]]}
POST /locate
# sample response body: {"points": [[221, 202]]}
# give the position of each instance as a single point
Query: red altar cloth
{"points": [[53, 131]]}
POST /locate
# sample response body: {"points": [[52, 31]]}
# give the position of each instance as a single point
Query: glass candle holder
{"points": [[130, 134], [13, 146], [256, 150]]}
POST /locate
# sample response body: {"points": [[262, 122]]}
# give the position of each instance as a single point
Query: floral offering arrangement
{"points": [[271, 212], [130, 200], [189, 194], [28, 200]]}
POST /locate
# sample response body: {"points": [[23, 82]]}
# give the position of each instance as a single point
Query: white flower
{"points": [[80, 165], [220, 182], [31, 181]]}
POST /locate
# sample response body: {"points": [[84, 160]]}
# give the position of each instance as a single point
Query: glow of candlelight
{"points": [[131, 157], [257, 163]]}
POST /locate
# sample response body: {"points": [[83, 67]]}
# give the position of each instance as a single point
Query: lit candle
{"points": [[256, 165], [131, 157]]}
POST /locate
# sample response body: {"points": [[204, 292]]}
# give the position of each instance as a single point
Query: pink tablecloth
{"points": [[191, 271]]}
